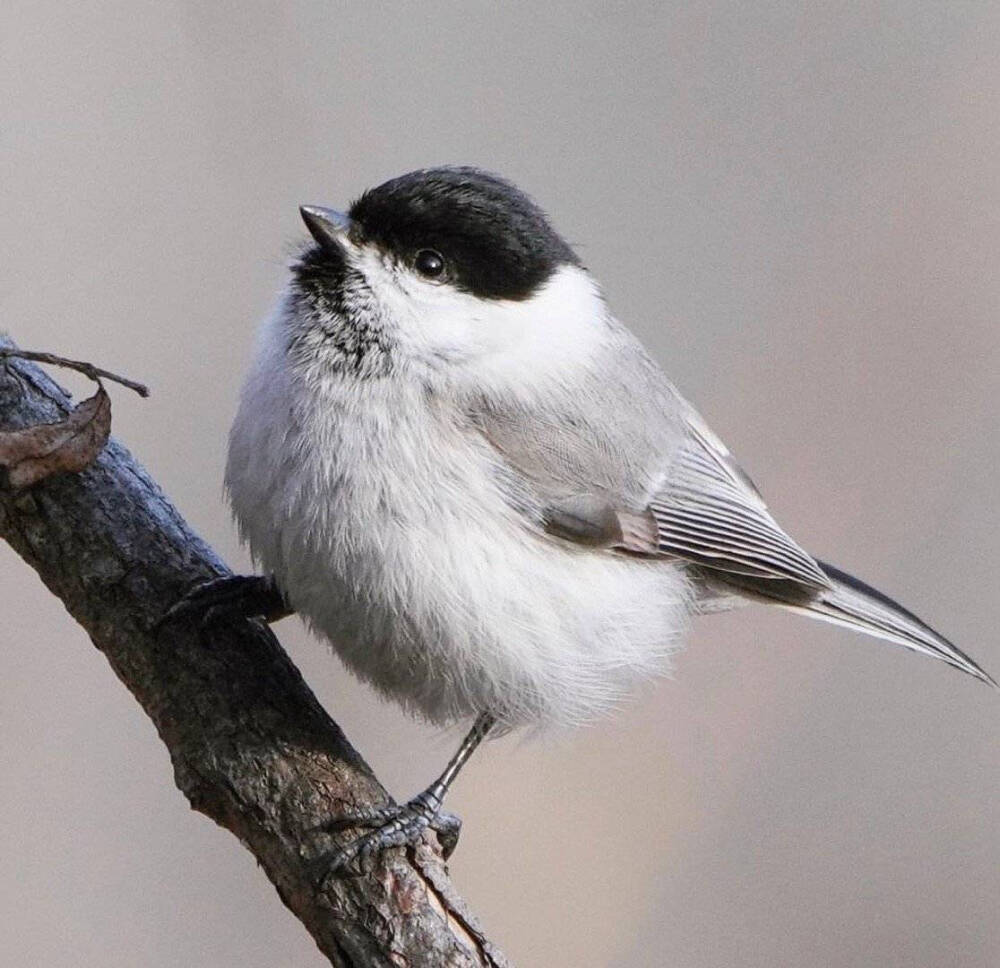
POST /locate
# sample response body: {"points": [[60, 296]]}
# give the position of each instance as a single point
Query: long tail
{"points": [[858, 606], [848, 602]]}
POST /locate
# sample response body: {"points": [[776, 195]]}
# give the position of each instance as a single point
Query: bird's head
{"points": [[437, 267]]}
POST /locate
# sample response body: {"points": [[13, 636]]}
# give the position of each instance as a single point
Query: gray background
{"points": [[795, 205]]}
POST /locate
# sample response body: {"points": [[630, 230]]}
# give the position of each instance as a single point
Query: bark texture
{"points": [[250, 745]]}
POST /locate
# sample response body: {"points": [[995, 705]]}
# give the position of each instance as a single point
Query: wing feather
{"points": [[708, 511]]}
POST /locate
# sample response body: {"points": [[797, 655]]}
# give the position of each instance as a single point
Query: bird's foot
{"points": [[230, 598], [394, 826]]}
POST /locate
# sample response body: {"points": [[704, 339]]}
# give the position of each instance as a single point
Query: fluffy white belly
{"points": [[457, 621], [397, 544]]}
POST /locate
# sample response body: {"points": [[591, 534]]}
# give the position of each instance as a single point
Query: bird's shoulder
{"points": [[610, 426]]}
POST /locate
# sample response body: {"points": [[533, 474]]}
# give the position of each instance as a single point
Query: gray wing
{"points": [[708, 511], [629, 465]]}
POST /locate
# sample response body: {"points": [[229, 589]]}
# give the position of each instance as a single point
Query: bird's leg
{"points": [[399, 825], [232, 597]]}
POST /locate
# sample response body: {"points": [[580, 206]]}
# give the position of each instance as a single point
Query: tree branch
{"points": [[251, 746]]}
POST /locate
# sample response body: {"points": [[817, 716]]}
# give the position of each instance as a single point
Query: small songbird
{"points": [[463, 472]]}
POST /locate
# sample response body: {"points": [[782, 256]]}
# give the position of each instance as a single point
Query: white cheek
{"points": [[430, 321], [485, 340], [540, 339]]}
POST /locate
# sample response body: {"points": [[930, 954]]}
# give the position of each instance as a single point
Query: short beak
{"points": [[328, 227]]}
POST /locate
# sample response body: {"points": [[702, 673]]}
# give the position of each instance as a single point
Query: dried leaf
{"points": [[71, 444]]}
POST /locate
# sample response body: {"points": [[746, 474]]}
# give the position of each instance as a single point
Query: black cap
{"points": [[496, 242]]}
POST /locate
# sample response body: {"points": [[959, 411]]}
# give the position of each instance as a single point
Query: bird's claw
{"points": [[228, 599], [394, 826]]}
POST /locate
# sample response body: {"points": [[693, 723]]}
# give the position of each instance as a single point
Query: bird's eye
{"points": [[429, 263]]}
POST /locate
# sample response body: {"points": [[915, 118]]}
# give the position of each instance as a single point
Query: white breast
{"points": [[383, 523]]}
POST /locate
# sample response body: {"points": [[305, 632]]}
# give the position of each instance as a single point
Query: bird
{"points": [[462, 471]]}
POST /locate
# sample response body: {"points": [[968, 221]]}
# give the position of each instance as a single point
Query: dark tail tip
{"points": [[853, 602]]}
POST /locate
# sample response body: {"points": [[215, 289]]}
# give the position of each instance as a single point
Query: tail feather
{"points": [[854, 604], [846, 601]]}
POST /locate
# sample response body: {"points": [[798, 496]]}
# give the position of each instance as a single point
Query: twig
{"points": [[87, 369]]}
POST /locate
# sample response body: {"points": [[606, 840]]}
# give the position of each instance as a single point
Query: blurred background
{"points": [[795, 206]]}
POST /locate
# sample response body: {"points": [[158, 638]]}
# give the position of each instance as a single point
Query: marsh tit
{"points": [[471, 479]]}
